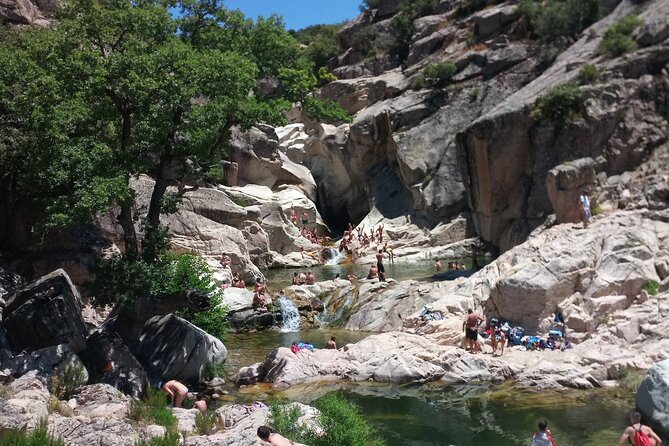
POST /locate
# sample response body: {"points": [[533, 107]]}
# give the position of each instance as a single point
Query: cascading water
{"points": [[289, 314], [332, 256]]}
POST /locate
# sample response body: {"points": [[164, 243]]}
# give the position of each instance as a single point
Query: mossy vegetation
{"points": [[630, 378], [560, 105], [171, 438], [326, 111], [205, 422], [152, 409], [651, 287], [341, 421], [617, 40], [552, 19], [39, 437], [588, 74]]}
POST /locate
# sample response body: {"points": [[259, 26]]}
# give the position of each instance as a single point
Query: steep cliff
{"points": [[430, 148]]}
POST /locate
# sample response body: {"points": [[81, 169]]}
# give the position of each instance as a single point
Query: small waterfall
{"points": [[331, 256], [289, 314]]}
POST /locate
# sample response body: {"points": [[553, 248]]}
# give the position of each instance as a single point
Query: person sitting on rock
{"points": [[273, 439], [225, 284], [295, 279], [332, 343], [175, 390], [301, 278], [351, 277], [310, 278], [373, 272], [200, 405], [260, 286], [225, 260], [237, 281]]}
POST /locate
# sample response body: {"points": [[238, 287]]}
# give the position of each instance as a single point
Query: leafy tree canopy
{"points": [[116, 88]]}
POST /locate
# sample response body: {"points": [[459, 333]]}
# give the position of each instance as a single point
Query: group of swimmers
{"points": [[303, 278]]}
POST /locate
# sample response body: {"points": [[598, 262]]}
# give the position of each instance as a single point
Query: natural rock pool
{"points": [[436, 414]]}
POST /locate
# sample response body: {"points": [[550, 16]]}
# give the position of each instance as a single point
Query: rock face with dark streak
{"points": [[505, 154], [44, 313], [173, 348]]}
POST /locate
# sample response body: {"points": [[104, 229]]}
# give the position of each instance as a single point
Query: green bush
{"points": [[325, 77], [341, 420], [69, 378], [441, 72], [617, 40], [630, 379], [205, 422], [325, 111], [39, 437], [552, 19], [651, 287], [153, 409], [283, 419], [560, 104], [588, 74], [126, 280], [343, 424], [216, 370], [171, 438], [401, 26]]}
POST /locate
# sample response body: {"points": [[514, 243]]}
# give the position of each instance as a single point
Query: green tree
{"points": [[115, 89]]}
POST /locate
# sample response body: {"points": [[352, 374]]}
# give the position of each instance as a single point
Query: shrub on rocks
{"points": [[341, 422], [554, 19], [171, 438], [39, 437], [561, 104], [588, 74], [617, 40], [153, 409]]}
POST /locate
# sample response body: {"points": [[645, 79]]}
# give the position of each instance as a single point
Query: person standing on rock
{"points": [[175, 390], [379, 264], [293, 216], [305, 220], [543, 437], [584, 207], [638, 434], [470, 327], [274, 439]]}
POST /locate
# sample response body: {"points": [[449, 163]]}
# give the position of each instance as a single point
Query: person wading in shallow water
{"points": [[543, 437], [379, 266], [638, 434]]}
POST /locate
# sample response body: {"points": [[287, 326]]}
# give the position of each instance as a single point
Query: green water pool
{"points": [[436, 414]]}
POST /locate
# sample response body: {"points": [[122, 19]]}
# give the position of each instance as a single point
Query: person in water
{"points": [[543, 437], [332, 343], [636, 429]]}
